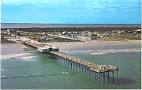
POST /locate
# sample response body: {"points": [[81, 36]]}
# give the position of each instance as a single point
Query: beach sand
{"points": [[75, 45], [12, 48]]}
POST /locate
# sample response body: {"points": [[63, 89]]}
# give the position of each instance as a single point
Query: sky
{"points": [[71, 11]]}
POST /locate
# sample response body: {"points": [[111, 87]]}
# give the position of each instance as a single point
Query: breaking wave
{"points": [[21, 76], [32, 75], [22, 56], [2, 69], [100, 52]]}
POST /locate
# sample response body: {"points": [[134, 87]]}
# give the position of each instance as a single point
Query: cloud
{"points": [[18, 1], [61, 11], [73, 4], [34, 2], [111, 9]]}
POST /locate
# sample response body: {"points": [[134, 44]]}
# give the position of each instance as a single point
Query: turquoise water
{"points": [[28, 69]]}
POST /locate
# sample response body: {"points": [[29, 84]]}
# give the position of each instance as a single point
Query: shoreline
{"points": [[96, 42], [88, 45], [71, 46]]}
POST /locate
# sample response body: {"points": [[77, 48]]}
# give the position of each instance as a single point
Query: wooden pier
{"points": [[97, 70]]}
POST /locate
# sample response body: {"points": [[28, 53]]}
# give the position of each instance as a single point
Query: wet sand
{"points": [[13, 48]]}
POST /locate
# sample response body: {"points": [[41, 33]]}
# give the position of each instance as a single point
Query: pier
{"points": [[95, 70]]}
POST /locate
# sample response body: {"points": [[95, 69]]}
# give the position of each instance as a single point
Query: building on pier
{"points": [[48, 49], [43, 49]]}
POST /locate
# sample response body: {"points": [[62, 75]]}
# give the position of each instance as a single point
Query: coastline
{"points": [[88, 45], [92, 43]]}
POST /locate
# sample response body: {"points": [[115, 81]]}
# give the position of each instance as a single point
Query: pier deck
{"points": [[91, 66]]}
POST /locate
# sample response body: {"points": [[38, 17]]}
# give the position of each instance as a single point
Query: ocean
{"points": [[22, 67]]}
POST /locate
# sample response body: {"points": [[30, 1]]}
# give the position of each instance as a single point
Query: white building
{"points": [[43, 49], [47, 49], [87, 38], [83, 38]]}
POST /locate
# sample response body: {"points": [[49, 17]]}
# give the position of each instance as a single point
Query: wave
{"points": [[27, 58], [65, 72], [22, 56], [2, 69], [31, 75], [19, 66], [100, 52], [21, 76]]}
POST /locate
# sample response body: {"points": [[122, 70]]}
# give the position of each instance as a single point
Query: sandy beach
{"points": [[13, 48], [75, 45]]}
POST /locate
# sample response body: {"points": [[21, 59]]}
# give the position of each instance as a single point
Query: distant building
{"points": [[63, 32], [83, 38], [93, 37], [138, 31], [87, 38]]}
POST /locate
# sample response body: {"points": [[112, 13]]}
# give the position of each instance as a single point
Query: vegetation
{"points": [[102, 33]]}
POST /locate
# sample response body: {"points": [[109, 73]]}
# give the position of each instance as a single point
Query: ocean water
{"points": [[24, 68]]}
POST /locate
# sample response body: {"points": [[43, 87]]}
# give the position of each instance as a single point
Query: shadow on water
{"points": [[47, 55], [121, 81]]}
